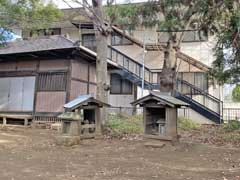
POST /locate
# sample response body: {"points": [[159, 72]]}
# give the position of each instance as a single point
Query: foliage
{"points": [[227, 51], [221, 18], [120, 124], [187, 124], [232, 125], [170, 16], [236, 93], [26, 14]]}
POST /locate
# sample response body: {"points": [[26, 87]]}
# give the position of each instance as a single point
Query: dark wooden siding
{"points": [[52, 81], [50, 101], [83, 78], [51, 65], [77, 88]]}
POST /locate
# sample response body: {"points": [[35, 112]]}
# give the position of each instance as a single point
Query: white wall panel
{"points": [[17, 93], [4, 93], [28, 93]]}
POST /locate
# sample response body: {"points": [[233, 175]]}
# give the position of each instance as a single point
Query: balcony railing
{"points": [[134, 67], [199, 96]]}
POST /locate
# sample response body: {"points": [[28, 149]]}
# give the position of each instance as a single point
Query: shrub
{"points": [[120, 125], [236, 93], [232, 125], [187, 124]]}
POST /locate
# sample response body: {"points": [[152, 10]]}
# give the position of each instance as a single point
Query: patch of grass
{"points": [[232, 125], [187, 124], [119, 124]]}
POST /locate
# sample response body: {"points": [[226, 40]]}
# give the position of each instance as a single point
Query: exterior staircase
{"points": [[200, 101]]}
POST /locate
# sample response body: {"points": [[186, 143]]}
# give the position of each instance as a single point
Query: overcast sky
{"points": [[62, 5]]}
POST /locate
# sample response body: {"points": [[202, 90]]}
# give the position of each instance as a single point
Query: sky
{"points": [[62, 5]]}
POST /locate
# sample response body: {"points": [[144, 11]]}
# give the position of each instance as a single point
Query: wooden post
{"points": [[144, 119], [98, 123], [26, 122], [171, 123], [4, 121]]}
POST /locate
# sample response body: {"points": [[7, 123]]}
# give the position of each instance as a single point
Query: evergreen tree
{"points": [[226, 67], [175, 17], [26, 14]]}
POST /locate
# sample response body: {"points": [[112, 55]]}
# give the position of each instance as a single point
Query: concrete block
{"points": [[67, 140]]}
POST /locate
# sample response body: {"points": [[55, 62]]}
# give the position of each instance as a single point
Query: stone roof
{"points": [[37, 44]]}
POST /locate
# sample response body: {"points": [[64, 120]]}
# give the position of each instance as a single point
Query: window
{"points": [[86, 26], [189, 36], [52, 82], [89, 41], [45, 32], [198, 79], [119, 85], [118, 39]]}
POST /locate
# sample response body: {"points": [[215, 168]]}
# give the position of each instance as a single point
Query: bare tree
{"points": [[94, 11]]}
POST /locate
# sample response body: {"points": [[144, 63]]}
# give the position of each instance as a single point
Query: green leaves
{"points": [[27, 14], [226, 67], [236, 93]]}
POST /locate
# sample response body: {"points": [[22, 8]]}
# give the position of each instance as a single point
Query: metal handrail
{"points": [[148, 71], [199, 90], [206, 95]]}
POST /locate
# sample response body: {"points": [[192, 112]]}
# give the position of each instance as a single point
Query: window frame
{"points": [[122, 81], [45, 32], [93, 42], [63, 83], [205, 82], [121, 42], [196, 37]]}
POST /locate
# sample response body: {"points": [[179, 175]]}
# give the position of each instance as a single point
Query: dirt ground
{"points": [[31, 154]]}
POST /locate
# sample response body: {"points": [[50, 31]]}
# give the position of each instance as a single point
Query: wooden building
{"points": [[38, 76]]}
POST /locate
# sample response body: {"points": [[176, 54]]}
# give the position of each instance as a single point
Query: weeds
{"points": [[187, 124], [119, 124], [232, 125]]}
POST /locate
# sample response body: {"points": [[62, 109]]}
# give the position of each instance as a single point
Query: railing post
{"points": [[191, 91]]}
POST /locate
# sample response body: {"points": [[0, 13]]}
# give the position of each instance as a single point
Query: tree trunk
{"points": [[101, 35], [167, 77], [101, 67]]}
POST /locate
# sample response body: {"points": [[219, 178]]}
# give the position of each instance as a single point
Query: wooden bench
{"points": [[24, 117]]}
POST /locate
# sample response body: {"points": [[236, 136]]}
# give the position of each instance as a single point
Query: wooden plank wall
{"points": [[45, 101], [83, 78], [51, 100], [18, 66]]}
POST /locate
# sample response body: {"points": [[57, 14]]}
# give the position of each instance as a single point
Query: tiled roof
{"points": [[161, 97], [83, 100], [37, 44]]}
